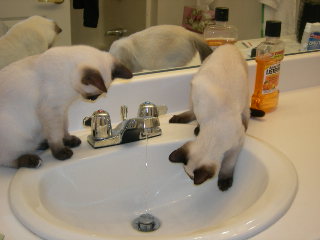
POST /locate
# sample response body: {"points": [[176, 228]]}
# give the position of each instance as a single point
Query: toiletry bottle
{"points": [[311, 37], [269, 54], [220, 32]]}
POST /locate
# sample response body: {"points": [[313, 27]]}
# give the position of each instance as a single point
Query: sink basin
{"points": [[99, 192]]}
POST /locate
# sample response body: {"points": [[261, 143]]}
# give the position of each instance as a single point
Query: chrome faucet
{"points": [[146, 124]]}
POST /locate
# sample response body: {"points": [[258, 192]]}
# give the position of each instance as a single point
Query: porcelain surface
{"points": [[97, 194]]}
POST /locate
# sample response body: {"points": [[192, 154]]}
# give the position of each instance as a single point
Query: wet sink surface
{"points": [[98, 193]]}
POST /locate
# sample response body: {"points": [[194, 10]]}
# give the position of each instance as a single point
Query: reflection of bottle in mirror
{"points": [[269, 54], [220, 32]]}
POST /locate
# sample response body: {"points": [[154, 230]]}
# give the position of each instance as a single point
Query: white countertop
{"points": [[294, 129]]}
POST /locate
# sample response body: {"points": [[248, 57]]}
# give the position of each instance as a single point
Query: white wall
{"points": [[86, 35], [171, 12], [244, 14], [127, 14]]}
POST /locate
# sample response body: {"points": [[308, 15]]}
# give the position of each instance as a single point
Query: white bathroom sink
{"points": [[99, 192]]}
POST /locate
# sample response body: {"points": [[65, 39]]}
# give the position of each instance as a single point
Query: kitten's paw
{"points": [[72, 142], [225, 184], [63, 153], [178, 119], [200, 175], [179, 156], [29, 161], [44, 145], [256, 113]]}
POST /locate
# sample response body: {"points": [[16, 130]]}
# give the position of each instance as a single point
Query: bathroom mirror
{"points": [[123, 17]]}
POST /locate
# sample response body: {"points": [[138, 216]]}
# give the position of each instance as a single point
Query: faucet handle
{"points": [[101, 124], [149, 109]]}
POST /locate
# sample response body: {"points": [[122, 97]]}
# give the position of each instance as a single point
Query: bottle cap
{"points": [[273, 28], [222, 14]]}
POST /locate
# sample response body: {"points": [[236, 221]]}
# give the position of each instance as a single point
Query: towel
{"points": [[90, 11], [284, 11]]}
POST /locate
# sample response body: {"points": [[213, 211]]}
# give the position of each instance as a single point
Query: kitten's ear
{"points": [[203, 173], [180, 155], [93, 77], [120, 71]]}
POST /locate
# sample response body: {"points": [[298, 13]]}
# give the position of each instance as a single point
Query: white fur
{"points": [[35, 94], [158, 47], [28, 37], [220, 99]]}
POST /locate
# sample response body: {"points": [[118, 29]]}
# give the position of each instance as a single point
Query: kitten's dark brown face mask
{"points": [[120, 71], [57, 30], [93, 77]]}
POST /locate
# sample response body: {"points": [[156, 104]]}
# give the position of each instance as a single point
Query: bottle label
{"points": [[314, 41], [271, 73]]}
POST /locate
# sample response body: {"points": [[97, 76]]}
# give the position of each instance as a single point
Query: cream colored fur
{"points": [[219, 96], [28, 37], [35, 94], [159, 47], [220, 99]]}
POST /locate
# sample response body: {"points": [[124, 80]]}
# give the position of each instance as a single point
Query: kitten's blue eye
{"points": [[93, 97]]}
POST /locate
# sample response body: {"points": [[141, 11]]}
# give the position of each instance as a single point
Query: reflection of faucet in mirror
{"points": [[159, 47]]}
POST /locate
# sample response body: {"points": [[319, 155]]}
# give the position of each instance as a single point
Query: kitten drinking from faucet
{"points": [[159, 47], [28, 37], [35, 94], [220, 104]]}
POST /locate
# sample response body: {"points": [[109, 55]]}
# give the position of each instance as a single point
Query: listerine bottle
{"points": [[220, 32], [269, 54]]}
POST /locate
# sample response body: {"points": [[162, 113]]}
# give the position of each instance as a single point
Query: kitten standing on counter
{"points": [[26, 38], [35, 94], [159, 47], [220, 104]]}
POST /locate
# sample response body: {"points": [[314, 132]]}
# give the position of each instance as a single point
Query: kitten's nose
{"points": [[57, 29]]}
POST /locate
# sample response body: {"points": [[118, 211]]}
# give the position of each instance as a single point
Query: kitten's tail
{"points": [[202, 47], [256, 112]]}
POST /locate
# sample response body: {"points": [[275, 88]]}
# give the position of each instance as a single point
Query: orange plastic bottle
{"points": [[268, 57], [220, 32]]}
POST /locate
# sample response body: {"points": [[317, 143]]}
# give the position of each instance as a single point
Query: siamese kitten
{"points": [[35, 94], [220, 104], [159, 47], [28, 37]]}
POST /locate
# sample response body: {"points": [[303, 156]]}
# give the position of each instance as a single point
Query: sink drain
{"points": [[146, 223]]}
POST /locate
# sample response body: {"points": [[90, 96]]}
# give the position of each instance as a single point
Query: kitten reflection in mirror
{"points": [[28, 37], [35, 94], [159, 47], [220, 104]]}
